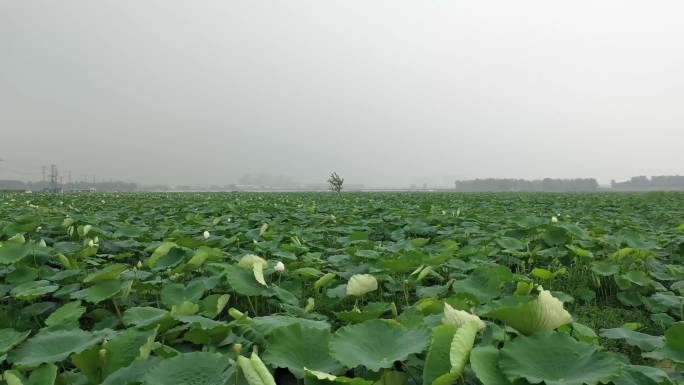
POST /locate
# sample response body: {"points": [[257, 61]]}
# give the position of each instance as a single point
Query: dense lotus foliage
{"points": [[324, 288]]}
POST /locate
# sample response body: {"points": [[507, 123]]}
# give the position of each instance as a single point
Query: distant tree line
{"points": [[547, 184], [41, 186], [662, 182]]}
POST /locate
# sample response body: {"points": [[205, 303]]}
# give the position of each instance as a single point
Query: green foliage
{"points": [[122, 289]]}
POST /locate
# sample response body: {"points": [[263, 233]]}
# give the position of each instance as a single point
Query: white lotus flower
{"points": [[91, 243], [206, 234], [554, 219], [280, 266]]}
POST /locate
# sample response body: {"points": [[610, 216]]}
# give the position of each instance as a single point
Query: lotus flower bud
{"points": [[280, 266], [206, 234], [237, 348], [554, 219], [139, 265]]}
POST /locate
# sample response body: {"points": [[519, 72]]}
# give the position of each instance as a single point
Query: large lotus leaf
{"points": [[645, 342], [98, 292], [159, 252], [605, 268], [178, 293], [33, 289], [106, 273], [484, 283], [197, 368], [267, 324], [437, 361], [296, 347], [371, 311], [674, 345], [360, 284], [313, 377], [11, 252], [69, 312], [143, 316], [529, 316], [124, 348], [52, 346], [10, 338], [557, 359], [642, 375], [132, 373], [243, 282], [484, 361], [376, 344]]}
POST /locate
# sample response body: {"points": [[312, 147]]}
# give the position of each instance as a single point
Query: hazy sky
{"points": [[384, 92]]}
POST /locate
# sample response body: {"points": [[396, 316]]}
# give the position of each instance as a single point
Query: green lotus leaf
{"points": [[197, 368], [33, 289], [159, 252], [10, 338], [297, 346], [645, 342], [484, 283], [98, 292], [674, 345], [313, 377], [484, 361], [108, 272], [557, 359], [213, 305], [124, 348], [460, 317], [69, 312], [52, 346], [376, 344], [143, 316], [177, 293], [605, 268], [132, 373], [541, 314], [510, 244], [642, 375], [371, 311], [243, 282], [437, 361], [43, 375], [360, 284], [267, 324], [11, 252]]}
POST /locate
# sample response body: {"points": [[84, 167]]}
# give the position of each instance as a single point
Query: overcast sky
{"points": [[384, 92]]}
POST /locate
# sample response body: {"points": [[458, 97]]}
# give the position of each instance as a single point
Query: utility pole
{"points": [[53, 178]]}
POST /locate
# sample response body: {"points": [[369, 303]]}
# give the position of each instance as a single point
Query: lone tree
{"points": [[335, 182]]}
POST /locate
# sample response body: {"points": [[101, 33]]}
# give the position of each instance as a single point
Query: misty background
{"points": [[383, 92]]}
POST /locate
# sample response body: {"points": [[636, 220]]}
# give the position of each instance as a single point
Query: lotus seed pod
{"points": [[237, 348]]}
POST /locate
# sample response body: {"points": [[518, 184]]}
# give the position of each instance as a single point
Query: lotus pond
{"points": [[358, 289]]}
